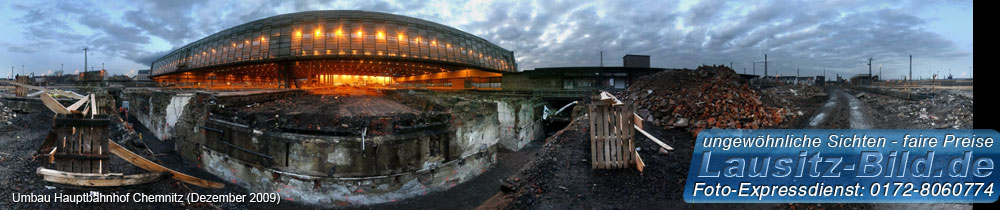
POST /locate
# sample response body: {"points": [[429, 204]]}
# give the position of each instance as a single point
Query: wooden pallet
{"points": [[78, 144], [611, 134]]}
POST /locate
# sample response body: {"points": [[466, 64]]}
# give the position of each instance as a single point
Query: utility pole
{"points": [[797, 75], [824, 74], [602, 58], [911, 67]]}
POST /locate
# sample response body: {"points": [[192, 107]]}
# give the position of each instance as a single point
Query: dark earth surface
{"points": [[550, 174]]}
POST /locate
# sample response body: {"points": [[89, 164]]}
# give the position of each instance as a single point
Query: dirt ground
{"points": [[561, 176], [20, 141], [550, 174], [333, 114], [933, 109]]}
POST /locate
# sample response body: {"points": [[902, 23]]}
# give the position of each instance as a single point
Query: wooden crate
{"points": [[611, 134], [81, 143]]}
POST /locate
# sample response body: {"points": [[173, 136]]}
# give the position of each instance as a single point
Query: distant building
{"points": [[574, 78], [748, 77], [142, 75], [636, 61], [793, 80], [120, 78], [94, 76], [863, 79], [580, 78], [360, 47]]}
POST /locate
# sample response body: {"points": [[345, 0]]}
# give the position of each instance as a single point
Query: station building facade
{"points": [[337, 47]]}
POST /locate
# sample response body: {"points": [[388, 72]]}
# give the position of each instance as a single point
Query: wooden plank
{"points": [[612, 138], [150, 166], [73, 147], [654, 139], [54, 105], [77, 105], [621, 139], [627, 128], [52, 155], [63, 142], [638, 162], [85, 149], [616, 144], [98, 180], [95, 146], [593, 137], [638, 120], [605, 117], [93, 106], [599, 137]]}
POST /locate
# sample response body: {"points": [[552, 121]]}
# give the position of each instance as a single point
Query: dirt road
{"points": [[842, 110]]}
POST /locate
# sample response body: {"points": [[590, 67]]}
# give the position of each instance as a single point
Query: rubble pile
{"points": [[942, 109], [786, 97], [708, 97], [6, 115]]}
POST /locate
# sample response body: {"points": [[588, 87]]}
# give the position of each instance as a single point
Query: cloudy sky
{"points": [[838, 36]]}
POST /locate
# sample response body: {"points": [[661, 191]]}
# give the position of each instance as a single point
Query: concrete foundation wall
{"points": [[329, 191], [343, 170], [153, 108], [520, 122]]}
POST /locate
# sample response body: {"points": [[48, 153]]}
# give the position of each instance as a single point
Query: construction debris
{"points": [[98, 180], [710, 97], [938, 109], [82, 154], [151, 166], [6, 115], [789, 96]]}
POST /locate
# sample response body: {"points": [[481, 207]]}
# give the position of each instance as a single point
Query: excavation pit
{"points": [[340, 147]]}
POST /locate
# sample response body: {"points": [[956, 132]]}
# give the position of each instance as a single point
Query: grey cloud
{"points": [[808, 34]]}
